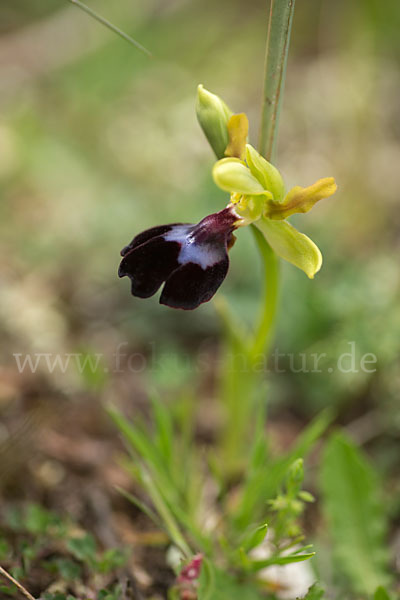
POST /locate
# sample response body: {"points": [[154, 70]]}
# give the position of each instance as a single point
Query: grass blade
{"points": [[109, 25], [355, 514]]}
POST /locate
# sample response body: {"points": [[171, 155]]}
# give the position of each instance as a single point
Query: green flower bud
{"points": [[213, 116], [295, 479]]}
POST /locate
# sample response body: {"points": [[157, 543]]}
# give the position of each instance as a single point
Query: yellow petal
{"points": [[267, 174], [301, 200], [232, 175], [290, 244], [238, 130]]}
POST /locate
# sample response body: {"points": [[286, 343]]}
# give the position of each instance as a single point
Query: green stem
{"points": [[113, 28], [241, 387], [263, 337], [277, 48]]}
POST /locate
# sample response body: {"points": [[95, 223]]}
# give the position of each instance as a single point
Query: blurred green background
{"points": [[98, 141]]}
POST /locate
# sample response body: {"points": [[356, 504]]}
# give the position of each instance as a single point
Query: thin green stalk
{"points": [[264, 332], [277, 48], [241, 381], [113, 28], [165, 513]]}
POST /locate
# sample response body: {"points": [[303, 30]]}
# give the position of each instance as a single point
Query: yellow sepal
{"points": [[238, 130], [301, 200], [291, 245]]}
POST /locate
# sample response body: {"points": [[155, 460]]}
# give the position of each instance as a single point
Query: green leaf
{"points": [[164, 433], [314, 593], [8, 591], [83, 548], [280, 560], [207, 581], [140, 505], [142, 445], [68, 569], [266, 476], [115, 593], [38, 519], [111, 559], [291, 245], [217, 584], [254, 538], [355, 514], [152, 468], [303, 549], [166, 513], [381, 594]]}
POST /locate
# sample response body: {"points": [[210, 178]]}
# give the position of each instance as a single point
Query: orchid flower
{"points": [[191, 260], [257, 194]]}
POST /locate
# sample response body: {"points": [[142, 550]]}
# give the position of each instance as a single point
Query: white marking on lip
{"points": [[205, 255]]}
